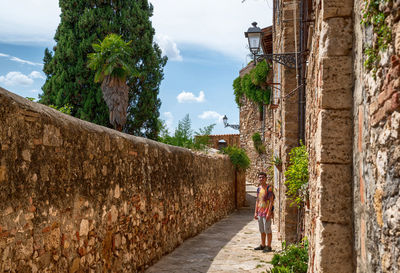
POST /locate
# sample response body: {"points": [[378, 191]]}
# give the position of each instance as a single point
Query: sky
{"points": [[203, 39]]}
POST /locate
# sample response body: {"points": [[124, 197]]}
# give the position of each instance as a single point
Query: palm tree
{"points": [[110, 62]]}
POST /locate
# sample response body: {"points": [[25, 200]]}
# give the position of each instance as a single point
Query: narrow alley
{"points": [[227, 246]]}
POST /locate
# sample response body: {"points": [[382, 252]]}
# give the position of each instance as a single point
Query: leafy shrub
{"points": [[238, 157], [258, 145], [292, 259], [297, 175]]}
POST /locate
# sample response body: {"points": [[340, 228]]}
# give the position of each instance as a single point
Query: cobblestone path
{"points": [[227, 246]]}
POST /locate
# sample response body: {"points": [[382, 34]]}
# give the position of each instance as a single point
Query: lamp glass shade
{"points": [[225, 120], [254, 42]]}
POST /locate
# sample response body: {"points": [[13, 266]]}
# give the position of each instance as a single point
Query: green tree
{"points": [[202, 137], [183, 135], [110, 62], [70, 81]]}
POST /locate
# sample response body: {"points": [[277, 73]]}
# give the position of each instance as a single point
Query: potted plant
{"points": [[277, 162]]}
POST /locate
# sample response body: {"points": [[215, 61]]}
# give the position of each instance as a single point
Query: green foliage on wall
{"points": [[258, 145], [371, 15], [297, 175], [66, 109], [238, 157], [253, 86], [292, 259]]}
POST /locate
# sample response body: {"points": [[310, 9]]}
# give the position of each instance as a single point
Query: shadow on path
{"points": [[227, 246]]}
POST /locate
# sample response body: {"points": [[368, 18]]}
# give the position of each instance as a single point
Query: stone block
{"points": [[336, 37], [333, 137], [52, 136], [333, 249], [335, 193], [336, 8], [336, 73], [336, 99]]}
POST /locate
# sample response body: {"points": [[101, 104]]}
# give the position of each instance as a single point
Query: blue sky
{"points": [[204, 41]]}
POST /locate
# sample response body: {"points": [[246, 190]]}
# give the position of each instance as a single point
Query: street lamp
{"points": [[226, 124], [254, 35]]}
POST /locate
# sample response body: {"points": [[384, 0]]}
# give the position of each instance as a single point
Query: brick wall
{"points": [[79, 197]]}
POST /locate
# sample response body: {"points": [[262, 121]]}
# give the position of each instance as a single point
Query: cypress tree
{"points": [[70, 81]]}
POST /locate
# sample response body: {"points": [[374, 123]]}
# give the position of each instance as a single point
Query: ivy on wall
{"points": [[373, 16], [253, 85]]}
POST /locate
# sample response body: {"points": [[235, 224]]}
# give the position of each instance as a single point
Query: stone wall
{"points": [[285, 118], [376, 157], [77, 197], [329, 137]]}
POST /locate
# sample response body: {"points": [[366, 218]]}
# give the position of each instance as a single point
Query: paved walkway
{"points": [[227, 246]]}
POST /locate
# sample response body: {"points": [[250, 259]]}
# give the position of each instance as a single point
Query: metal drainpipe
{"points": [[300, 79]]}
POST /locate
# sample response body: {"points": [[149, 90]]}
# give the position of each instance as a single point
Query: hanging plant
{"points": [[258, 145], [253, 85]]}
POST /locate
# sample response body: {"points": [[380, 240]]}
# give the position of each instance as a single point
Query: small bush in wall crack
{"points": [[258, 145], [238, 157], [373, 16]]}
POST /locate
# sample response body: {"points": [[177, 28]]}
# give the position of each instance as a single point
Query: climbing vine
{"points": [[253, 86], [373, 16]]}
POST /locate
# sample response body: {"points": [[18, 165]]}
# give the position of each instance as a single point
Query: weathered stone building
{"points": [[348, 113]]}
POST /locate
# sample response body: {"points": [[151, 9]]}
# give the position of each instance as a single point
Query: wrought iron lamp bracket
{"points": [[286, 59], [234, 126]]}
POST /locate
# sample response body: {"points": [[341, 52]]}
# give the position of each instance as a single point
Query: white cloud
{"points": [[36, 75], [169, 120], [18, 60], [15, 59], [16, 78], [28, 20], [211, 115], [169, 47], [217, 25], [35, 91], [190, 97]]}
